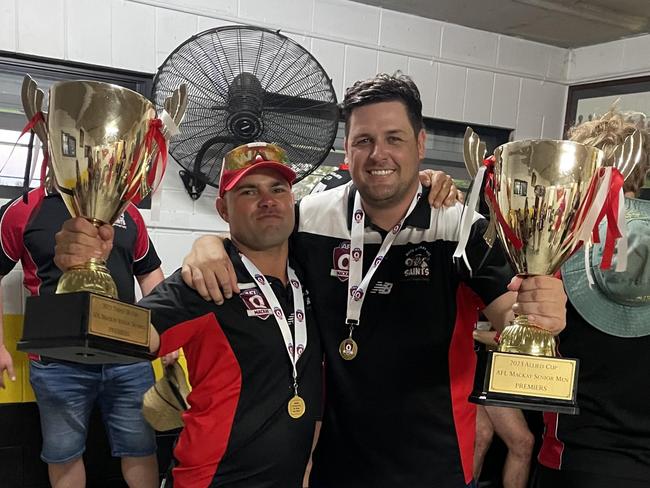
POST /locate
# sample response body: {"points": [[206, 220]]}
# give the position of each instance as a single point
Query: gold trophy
{"points": [[107, 148], [539, 197]]}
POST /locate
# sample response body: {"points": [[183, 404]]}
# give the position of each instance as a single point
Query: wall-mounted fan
{"points": [[247, 84]]}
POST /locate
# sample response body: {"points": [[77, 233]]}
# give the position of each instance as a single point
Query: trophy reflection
{"points": [[540, 193], [107, 148]]}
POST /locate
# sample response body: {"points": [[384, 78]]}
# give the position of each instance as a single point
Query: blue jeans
{"points": [[65, 394]]}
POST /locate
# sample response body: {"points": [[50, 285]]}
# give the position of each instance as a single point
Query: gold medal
{"points": [[296, 407], [348, 349]]}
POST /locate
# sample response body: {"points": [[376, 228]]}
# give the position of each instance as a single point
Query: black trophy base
{"points": [[86, 328], [532, 373]]}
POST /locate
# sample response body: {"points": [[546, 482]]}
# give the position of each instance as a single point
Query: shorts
{"points": [[66, 393]]}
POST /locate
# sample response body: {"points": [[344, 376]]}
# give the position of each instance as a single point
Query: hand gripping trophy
{"points": [[107, 148], [545, 198]]}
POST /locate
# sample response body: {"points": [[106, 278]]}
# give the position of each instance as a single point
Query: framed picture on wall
{"points": [[591, 100]]}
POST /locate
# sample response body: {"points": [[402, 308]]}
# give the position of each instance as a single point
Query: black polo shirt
{"points": [[397, 415], [340, 176], [28, 231], [238, 432], [611, 436]]}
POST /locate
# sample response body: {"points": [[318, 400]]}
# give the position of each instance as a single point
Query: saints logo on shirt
{"points": [[416, 264]]}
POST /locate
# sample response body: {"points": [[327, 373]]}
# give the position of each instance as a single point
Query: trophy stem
{"points": [[521, 337], [92, 276]]}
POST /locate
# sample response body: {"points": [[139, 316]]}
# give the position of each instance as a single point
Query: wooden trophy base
{"points": [[86, 328], [527, 382]]}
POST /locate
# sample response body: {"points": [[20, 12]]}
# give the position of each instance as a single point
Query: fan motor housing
{"points": [[245, 102]]}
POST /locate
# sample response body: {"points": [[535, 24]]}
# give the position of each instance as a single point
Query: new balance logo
{"points": [[382, 288]]}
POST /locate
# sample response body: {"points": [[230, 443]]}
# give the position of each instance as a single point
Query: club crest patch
{"points": [[341, 261], [255, 303]]}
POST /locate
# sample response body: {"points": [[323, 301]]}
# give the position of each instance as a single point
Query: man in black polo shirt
{"points": [[395, 311], [255, 362]]}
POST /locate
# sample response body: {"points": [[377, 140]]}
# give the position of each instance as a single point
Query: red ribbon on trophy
{"points": [[484, 172], [605, 199], [155, 134], [489, 194], [611, 209], [38, 117]]}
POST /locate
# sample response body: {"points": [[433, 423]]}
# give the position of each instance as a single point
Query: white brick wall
{"points": [[464, 74]]}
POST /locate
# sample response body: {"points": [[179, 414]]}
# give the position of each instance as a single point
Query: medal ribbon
{"points": [[299, 316], [357, 284]]}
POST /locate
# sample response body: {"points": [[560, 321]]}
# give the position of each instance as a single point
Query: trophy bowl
{"points": [[97, 136]]}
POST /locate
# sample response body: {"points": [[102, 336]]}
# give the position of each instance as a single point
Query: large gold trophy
{"points": [[107, 148], [543, 200]]}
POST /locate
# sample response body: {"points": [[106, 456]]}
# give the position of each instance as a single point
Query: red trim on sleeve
{"points": [[550, 454], [141, 247], [215, 377], [12, 229], [14, 221], [462, 367]]}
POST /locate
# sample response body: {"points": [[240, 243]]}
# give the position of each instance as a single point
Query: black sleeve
{"points": [[145, 258], [172, 302], [149, 262], [491, 271]]}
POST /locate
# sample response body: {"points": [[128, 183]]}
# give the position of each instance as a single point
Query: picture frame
{"points": [[591, 100]]}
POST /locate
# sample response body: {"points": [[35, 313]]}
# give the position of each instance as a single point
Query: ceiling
{"points": [[564, 23]]}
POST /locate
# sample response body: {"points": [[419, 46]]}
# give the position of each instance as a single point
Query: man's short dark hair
{"points": [[385, 88]]}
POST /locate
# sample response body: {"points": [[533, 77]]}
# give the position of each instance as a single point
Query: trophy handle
{"points": [[627, 155], [32, 98], [474, 151], [176, 105]]}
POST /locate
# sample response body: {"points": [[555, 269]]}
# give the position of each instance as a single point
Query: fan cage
{"points": [[248, 84]]}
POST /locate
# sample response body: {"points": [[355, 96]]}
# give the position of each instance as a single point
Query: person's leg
{"points": [[484, 433], [510, 425], [141, 472], [67, 475], [130, 436], [65, 394]]}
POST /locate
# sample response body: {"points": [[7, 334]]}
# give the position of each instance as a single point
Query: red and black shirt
{"points": [[27, 233], [397, 415], [238, 432]]}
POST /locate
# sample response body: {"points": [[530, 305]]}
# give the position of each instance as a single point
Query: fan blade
{"points": [[302, 107]]}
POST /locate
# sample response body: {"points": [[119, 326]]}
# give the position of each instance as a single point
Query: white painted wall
{"points": [[463, 74], [611, 60]]}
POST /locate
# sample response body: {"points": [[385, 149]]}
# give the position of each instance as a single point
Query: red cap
{"points": [[255, 155]]}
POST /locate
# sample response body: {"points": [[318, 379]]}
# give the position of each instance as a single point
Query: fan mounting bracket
{"points": [[192, 184]]}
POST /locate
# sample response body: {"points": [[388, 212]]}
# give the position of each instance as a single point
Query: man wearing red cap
{"points": [[254, 362], [395, 311]]}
